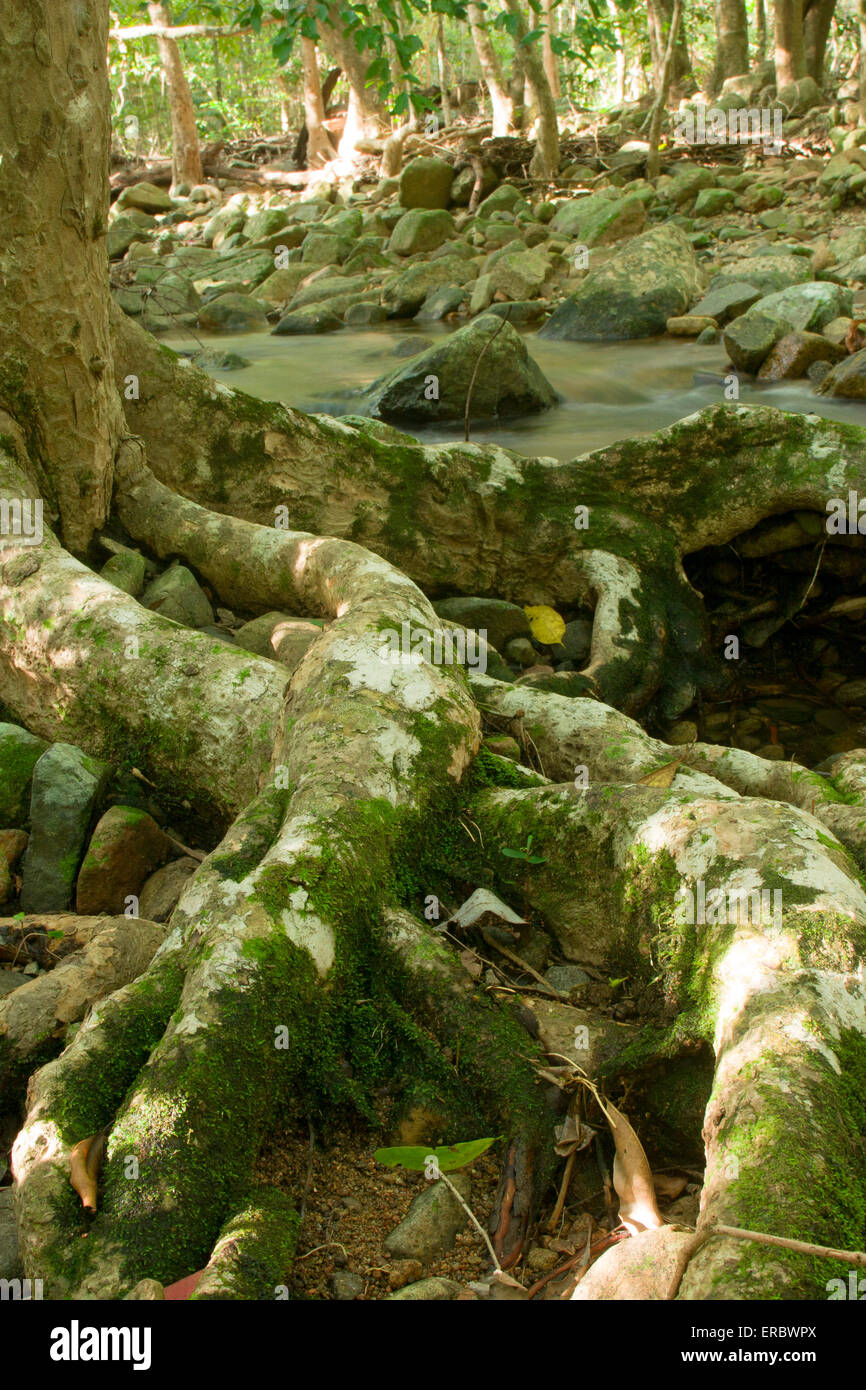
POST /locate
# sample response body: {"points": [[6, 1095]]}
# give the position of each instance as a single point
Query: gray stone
{"points": [[847, 379], [67, 786], [577, 639], [804, 308], [432, 1222], [146, 197], [345, 1286], [521, 651], [599, 220], [434, 386], [654, 278], [441, 302], [19, 753], [126, 571], [159, 894], [749, 340], [767, 273], [233, 313], [501, 621], [505, 198], [726, 301], [426, 183], [177, 594], [436, 1290], [311, 320], [421, 229], [404, 295], [10, 1264], [360, 315], [566, 977]]}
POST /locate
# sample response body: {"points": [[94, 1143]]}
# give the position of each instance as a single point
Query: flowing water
{"points": [[608, 391]]}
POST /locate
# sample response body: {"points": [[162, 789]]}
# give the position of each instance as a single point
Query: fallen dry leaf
{"points": [[85, 1161], [632, 1176]]}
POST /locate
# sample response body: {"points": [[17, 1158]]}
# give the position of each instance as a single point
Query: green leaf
{"points": [[449, 1157], [513, 853]]}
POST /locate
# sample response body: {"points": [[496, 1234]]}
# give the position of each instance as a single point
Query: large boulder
{"points": [[433, 387], [767, 273], [749, 340], [125, 849], [652, 279], [19, 753], [404, 295], [233, 313], [805, 308], [422, 229], [426, 183], [848, 379], [599, 220], [519, 274], [67, 786], [146, 197]]}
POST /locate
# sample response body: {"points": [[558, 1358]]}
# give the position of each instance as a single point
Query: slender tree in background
{"points": [[818, 16], [366, 117], [621, 55], [442, 66], [545, 161], [319, 148], [660, 14], [790, 48], [652, 164], [551, 67], [732, 41], [760, 29], [185, 149], [861, 16], [491, 72]]}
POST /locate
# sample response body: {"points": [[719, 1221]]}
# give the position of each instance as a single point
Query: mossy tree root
{"points": [[774, 984]]}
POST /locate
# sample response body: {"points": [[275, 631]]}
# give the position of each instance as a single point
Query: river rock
{"points": [[519, 274], [804, 308], [436, 1290], [403, 296], [500, 620], [426, 183], [312, 320], [749, 340], [126, 571], [690, 325], [233, 313], [125, 848], [640, 1269], [432, 1222], [434, 385], [120, 236], [793, 355], [847, 379], [765, 273], [686, 184], [19, 753], [323, 247], [161, 890], [67, 785], [464, 183], [505, 198], [146, 197], [177, 594], [599, 220], [711, 201], [421, 229], [446, 300], [726, 301], [654, 278], [279, 287]]}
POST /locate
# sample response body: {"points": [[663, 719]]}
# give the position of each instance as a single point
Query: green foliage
{"points": [[525, 854], [449, 1157]]}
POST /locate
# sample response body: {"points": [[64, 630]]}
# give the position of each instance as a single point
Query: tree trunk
{"points": [[56, 379], [545, 161], [760, 30], [861, 16], [621, 54], [732, 41], [790, 46], [551, 67], [655, 127], [319, 148], [442, 66], [659, 17], [185, 151], [491, 73], [816, 32], [366, 118]]}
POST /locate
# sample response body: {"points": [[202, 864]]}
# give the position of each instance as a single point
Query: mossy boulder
{"points": [[177, 594], [67, 787], [654, 278], [125, 571], [422, 229], [404, 295], [125, 849], [426, 183], [233, 313], [146, 197], [599, 220], [749, 340], [805, 308], [19, 753], [434, 385]]}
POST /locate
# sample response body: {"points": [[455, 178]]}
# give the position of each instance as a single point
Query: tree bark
{"points": [[760, 30], [659, 17], [732, 41], [491, 72], [655, 127], [185, 150], [545, 161], [861, 17], [816, 32], [551, 67], [366, 118], [319, 149], [56, 378], [442, 67], [790, 45]]}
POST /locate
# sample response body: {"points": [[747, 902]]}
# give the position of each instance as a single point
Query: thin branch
{"points": [[474, 1219], [184, 31]]}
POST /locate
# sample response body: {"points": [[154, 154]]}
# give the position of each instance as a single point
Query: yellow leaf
{"points": [[546, 624]]}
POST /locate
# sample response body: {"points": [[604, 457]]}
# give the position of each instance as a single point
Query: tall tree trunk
{"points": [[319, 147], [56, 376], [185, 149], [760, 30], [652, 164], [545, 161], [659, 17], [861, 16], [732, 41], [366, 118], [444, 75], [491, 72], [551, 67], [816, 31], [621, 56], [790, 46]]}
